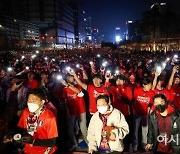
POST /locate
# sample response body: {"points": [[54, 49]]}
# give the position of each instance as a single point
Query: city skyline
{"points": [[107, 15]]}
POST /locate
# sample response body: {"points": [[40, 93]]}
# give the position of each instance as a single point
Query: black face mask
{"points": [[160, 108]]}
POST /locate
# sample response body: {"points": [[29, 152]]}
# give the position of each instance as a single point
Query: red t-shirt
{"points": [[94, 92], [118, 92], [142, 101], [76, 105], [33, 84], [175, 96], [46, 129], [164, 91]]}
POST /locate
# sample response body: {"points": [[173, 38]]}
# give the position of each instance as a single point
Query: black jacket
{"points": [[153, 131]]}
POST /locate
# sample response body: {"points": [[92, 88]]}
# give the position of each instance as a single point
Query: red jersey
{"points": [[118, 92], [175, 96], [33, 84], [75, 103], [164, 91], [142, 101], [94, 92], [46, 129]]}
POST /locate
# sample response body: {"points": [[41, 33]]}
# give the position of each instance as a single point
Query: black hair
{"points": [[105, 97], [162, 96], [44, 72], [97, 76], [160, 78], [146, 81], [121, 77], [39, 92], [68, 75]]}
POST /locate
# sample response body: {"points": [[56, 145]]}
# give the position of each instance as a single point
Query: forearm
{"points": [[85, 77], [45, 143], [154, 83], [83, 85], [171, 81], [93, 71], [76, 90]]}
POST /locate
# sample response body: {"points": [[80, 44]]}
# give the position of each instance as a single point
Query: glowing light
{"points": [[37, 51], [90, 38], [104, 64], [164, 65], [118, 38], [90, 62], [27, 67], [175, 56], [59, 77], [98, 55], [77, 66], [158, 69], [108, 71], [117, 72], [68, 69], [46, 58], [9, 69], [33, 56]]}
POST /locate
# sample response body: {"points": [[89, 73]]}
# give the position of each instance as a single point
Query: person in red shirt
{"points": [[94, 89], [121, 100], [143, 100], [122, 95], [31, 81], [132, 82], [76, 109], [158, 86], [37, 126], [174, 87]]}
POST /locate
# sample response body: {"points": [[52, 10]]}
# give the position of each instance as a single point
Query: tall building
{"points": [[118, 34], [88, 26], [132, 30], [160, 28], [15, 32], [82, 27], [55, 19], [79, 24]]}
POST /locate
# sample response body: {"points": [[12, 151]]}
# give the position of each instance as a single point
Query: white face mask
{"points": [[33, 107], [102, 109]]}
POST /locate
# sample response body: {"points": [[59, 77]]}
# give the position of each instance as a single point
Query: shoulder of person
{"points": [[138, 89], [152, 115], [48, 113], [116, 112], [90, 85], [25, 111]]}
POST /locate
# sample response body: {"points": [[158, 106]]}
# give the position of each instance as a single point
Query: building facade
{"points": [[55, 19], [17, 33]]}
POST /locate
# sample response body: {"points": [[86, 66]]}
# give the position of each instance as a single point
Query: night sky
{"points": [[108, 14]]}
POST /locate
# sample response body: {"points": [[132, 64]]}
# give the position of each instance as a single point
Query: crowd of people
{"points": [[109, 100]]}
